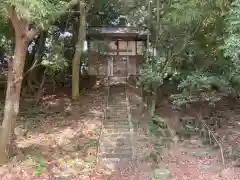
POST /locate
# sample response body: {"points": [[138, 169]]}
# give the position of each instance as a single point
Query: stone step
{"points": [[122, 117], [117, 100], [108, 161], [118, 139], [117, 112], [111, 129], [114, 164], [120, 135], [110, 133], [107, 143], [115, 140], [115, 137], [116, 126], [125, 122], [115, 131], [116, 118], [117, 106], [111, 149], [120, 109], [119, 97], [109, 169], [115, 155]]}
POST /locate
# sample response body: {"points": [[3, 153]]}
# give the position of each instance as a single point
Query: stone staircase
{"points": [[116, 146]]}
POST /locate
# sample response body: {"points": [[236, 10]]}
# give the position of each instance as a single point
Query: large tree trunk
{"points": [[78, 53], [12, 98], [15, 72]]}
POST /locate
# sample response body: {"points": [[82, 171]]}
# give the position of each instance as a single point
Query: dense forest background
{"points": [[193, 48]]}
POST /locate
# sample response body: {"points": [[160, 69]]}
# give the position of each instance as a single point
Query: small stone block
{"points": [[161, 174]]}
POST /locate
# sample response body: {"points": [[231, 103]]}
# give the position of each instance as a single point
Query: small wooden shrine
{"points": [[115, 52]]}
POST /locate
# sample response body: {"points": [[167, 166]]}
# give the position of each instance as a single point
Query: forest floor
{"points": [[193, 158], [58, 139]]}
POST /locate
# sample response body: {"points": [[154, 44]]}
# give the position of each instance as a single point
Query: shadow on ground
{"points": [[57, 139]]}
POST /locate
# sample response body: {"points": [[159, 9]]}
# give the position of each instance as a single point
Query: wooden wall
{"points": [[115, 58], [114, 65]]}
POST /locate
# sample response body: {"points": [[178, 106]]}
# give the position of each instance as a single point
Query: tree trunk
{"points": [[38, 96], [33, 80], [12, 98], [153, 102], [78, 53], [15, 73]]}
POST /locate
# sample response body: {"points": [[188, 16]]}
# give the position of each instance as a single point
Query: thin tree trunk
{"points": [[153, 101], [78, 53], [33, 81], [38, 97]]}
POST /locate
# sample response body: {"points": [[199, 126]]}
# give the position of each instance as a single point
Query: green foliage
{"points": [[189, 37], [37, 12], [152, 72], [200, 86], [91, 144], [158, 127], [187, 98], [161, 134], [199, 81], [182, 13], [232, 39], [197, 42], [40, 168], [53, 57], [105, 13]]}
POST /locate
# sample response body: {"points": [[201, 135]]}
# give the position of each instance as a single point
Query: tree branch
{"points": [[65, 9], [219, 144], [68, 6], [187, 39], [21, 27]]}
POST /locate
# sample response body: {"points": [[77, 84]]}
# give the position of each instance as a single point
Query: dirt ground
{"points": [[58, 139], [189, 159], [192, 159]]}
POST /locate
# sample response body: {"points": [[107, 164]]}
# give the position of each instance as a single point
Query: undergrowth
{"points": [[161, 134], [190, 127]]}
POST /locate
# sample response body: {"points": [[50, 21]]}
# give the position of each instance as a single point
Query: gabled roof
{"points": [[117, 32]]}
